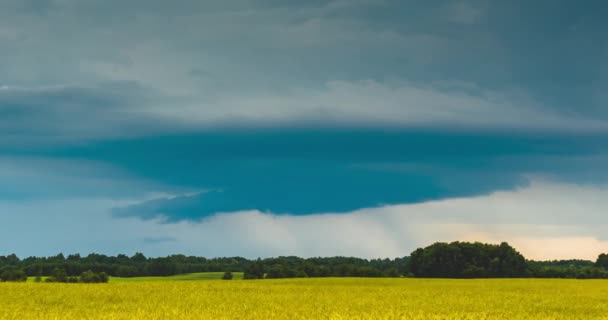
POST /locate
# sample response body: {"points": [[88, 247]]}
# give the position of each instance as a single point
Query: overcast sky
{"points": [[263, 128]]}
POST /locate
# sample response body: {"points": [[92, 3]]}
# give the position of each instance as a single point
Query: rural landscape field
{"points": [[330, 298], [320, 159]]}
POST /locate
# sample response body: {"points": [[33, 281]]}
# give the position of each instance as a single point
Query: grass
{"points": [[329, 298], [33, 279], [181, 277]]}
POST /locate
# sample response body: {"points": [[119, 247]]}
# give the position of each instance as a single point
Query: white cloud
{"points": [[544, 221]]}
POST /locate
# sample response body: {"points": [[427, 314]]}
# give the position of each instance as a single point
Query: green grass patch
{"points": [[33, 279], [181, 277]]}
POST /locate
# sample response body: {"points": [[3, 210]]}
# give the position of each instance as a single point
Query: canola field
{"points": [[309, 299]]}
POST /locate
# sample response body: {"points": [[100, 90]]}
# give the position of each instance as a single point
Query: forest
{"points": [[439, 260]]}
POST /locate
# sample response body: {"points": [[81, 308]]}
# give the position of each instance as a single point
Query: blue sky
{"points": [[261, 128]]}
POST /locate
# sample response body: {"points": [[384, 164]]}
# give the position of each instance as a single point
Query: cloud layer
{"points": [[74, 71]]}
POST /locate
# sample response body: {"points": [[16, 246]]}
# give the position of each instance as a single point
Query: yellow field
{"points": [[309, 299]]}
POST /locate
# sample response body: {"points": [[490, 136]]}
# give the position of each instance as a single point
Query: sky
{"points": [[258, 128]]}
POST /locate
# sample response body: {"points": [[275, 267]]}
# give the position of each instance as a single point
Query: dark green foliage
{"points": [[227, 275], [58, 275], [12, 274], [138, 265], [127, 271], [254, 270], [476, 260], [294, 267], [567, 269], [157, 267], [453, 260], [124, 266], [467, 260], [93, 277], [573, 263], [602, 261], [278, 271], [392, 273]]}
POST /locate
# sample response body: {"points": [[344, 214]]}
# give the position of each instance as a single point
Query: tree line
{"points": [[15, 274], [445, 260], [478, 260]]}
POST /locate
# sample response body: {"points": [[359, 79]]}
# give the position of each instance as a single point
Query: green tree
{"points": [[13, 274], [93, 277], [276, 272], [392, 273], [602, 261], [58, 275], [127, 271], [138, 257], [467, 260], [227, 275], [255, 270], [301, 274]]}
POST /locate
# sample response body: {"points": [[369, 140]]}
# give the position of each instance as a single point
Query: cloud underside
{"points": [[544, 220]]}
